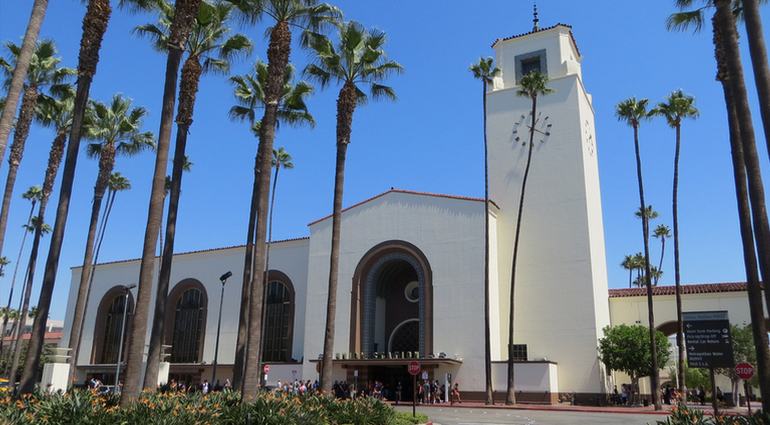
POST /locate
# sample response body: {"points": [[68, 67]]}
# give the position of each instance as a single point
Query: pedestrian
{"points": [[399, 391], [455, 396], [702, 396], [228, 384], [205, 387]]}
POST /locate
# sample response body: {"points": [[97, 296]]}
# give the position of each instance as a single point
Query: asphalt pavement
{"points": [[472, 416]]}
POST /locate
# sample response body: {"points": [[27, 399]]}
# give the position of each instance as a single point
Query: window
{"points": [[279, 321], [111, 323], [520, 352], [531, 62], [189, 320]]}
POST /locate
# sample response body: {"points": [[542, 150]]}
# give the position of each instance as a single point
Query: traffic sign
{"points": [[424, 375], [744, 371], [707, 336], [266, 369], [414, 368]]}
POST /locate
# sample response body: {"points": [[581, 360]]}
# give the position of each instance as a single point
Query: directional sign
{"points": [[707, 336], [744, 371], [414, 368]]}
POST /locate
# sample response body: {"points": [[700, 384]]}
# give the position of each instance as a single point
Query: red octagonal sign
{"points": [[414, 368], [744, 370]]}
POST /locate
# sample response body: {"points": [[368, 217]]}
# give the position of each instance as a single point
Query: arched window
{"points": [[109, 324], [279, 318], [187, 308]]}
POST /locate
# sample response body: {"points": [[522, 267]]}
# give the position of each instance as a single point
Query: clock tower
{"points": [[561, 279]]}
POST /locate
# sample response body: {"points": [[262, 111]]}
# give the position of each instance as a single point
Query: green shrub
{"points": [[406, 418], [683, 415]]}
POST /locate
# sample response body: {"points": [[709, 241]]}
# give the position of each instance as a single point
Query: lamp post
{"points": [[222, 279], [122, 335]]}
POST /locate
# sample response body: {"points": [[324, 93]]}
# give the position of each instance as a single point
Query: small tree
{"points": [[743, 351], [626, 349]]}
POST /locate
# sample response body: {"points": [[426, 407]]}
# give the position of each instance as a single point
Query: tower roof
{"points": [[558, 25]]}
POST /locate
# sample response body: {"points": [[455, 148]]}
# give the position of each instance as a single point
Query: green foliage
{"points": [[406, 418], [695, 378], [87, 407], [743, 349], [627, 349], [683, 415]]}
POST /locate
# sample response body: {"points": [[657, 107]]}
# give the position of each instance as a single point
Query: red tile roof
{"points": [[571, 36], [409, 192], [49, 337], [700, 288]]}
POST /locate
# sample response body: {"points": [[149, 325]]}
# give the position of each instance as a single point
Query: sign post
{"points": [[745, 371], [709, 345], [414, 370]]}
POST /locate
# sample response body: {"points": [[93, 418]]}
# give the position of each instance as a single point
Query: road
{"points": [[470, 416]]}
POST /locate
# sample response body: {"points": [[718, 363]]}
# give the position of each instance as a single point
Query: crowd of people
{"points": [[628, 395]]}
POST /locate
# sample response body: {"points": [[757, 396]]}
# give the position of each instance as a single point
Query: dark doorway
{"points": [[390, 376]]}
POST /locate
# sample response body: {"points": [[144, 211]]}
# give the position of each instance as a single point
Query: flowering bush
{"points": [[89, 408], [683, 415]]}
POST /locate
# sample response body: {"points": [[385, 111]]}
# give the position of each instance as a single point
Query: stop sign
{"points": [[266, 369], [744, 370], [414, 368]]}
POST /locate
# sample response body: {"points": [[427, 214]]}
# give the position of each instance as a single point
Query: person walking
{"points": [[399, 391], [455, 396]]}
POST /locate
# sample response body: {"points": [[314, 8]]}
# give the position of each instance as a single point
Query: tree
{"points": [[661, 232], [114, 129], [532, 86], [308, 15], [758, 53], [743, 351], [44, 73], [649, 213], [356, 60], [678, 106], [627, 349], [486, 71], [94, 27], [185, 13], [19, 73], [210, 48], [249, 91], [628, 264], [633, 112], [724, 29]]}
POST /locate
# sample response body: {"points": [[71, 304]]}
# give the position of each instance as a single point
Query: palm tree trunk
{"points": [[266, 271], [756, 308], [20, 73], [758, 52], [750, 156], [191, 72], [630, 271], [647, 277], [490, 397], [677, 276], [95, 24], [243, 316], [13, 278], [278, 59], [26, 115], [185, 12]]}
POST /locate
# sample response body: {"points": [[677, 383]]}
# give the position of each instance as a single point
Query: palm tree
{"points": [[649, 213], [633, 112], [19, 74], [114, 129], [532, 86], [357, 59], [33, 194], [661, 232], [185, 14], [308, 15], [758, 53], [628, 264], [677, 107], [94, 27], [210, 48], [44, 72], [486, 71], [249, 93]]}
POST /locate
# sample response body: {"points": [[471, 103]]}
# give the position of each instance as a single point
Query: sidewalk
{"points": [[649, 410]]}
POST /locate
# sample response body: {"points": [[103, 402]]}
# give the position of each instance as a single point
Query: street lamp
{"points": [[222, 279], [122, 335]]}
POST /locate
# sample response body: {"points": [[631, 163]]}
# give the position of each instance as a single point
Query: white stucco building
{"points": [[411, 279]]}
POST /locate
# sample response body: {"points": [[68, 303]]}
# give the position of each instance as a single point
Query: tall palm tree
{"points": [[628, 264], [758, 53], [114, 129], [532, 86], [307, 15], [249, 91], [95, 22], [678, 106], [357, 59], [486, 71], [661, 232], [20, 70], [44, 72], [649, 213], [33, 194], [185, 14], [633, 112], [210, 48]]}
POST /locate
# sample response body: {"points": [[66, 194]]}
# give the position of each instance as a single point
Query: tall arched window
{"points": [[279, 318], [109, 324], [187, 308]]}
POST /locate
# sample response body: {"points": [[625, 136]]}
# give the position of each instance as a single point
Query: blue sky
{"points": [[429, 140]]}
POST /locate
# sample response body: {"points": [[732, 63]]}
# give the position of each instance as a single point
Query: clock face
{"points": [[523, 126], [589, 138]]}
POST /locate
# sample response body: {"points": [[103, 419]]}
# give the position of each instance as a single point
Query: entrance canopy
{"points": [[393, 362]]}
